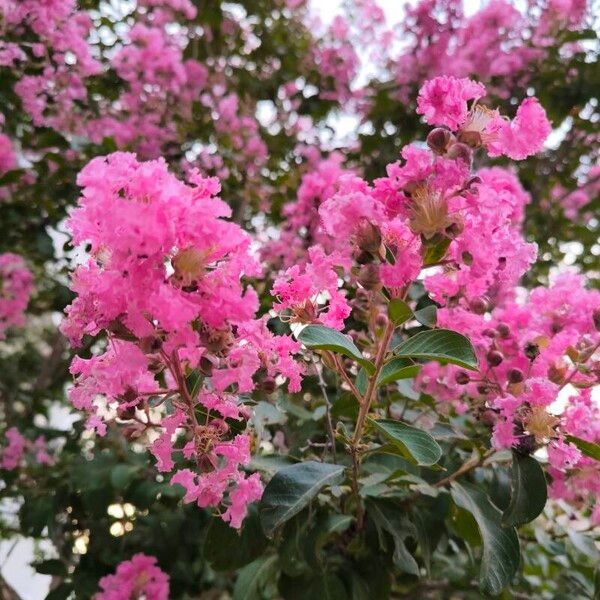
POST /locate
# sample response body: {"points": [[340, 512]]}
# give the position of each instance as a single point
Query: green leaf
{"points": [[52, 566], [397, 368], [427, 316], [12, 176], [362, 381], [227, 549], [398, 311], [435, 253], [415, 444], [389, 516], [254, 577], [500, 559], [588, 448], [122, 475], [319, 337], [292, 488], [529, 494], [443, 345]]}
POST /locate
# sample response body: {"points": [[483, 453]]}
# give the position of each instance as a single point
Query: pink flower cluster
{"points": [[16, 287], [500, 42], [443, 101], [139, 577], [17, 446], [383, 234], [530, 350], [164, 281]]}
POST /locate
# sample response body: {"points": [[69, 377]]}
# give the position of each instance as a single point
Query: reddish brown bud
{"points": [[503, 330], [489, 332], [462, 378], [515, 376], [369, 277], [268, 385], [368, 236], [439, 139], [494, 358], [532, 350], [460, 151], [479, 306]]}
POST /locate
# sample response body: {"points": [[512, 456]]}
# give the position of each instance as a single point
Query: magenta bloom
{"points": [[135, 578]]}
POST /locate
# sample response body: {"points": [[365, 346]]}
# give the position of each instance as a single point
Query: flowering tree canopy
{"points": [[245, 356]]}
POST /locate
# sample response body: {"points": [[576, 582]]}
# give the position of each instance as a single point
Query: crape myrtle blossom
{"points": [[444, 101], [531, 350], [18, 447], [139, 577], [164, 283], [16, 287]]}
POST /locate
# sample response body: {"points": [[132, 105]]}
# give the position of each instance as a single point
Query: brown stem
{"points": [[330, 429], [470, 465], [363, 411]]}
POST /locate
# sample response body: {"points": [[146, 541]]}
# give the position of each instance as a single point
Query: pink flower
{"points": [[523, 136], [16, 286], [443, 100], [13, 453], [135, 578]]}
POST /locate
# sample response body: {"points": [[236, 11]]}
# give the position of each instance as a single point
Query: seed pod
{"points": [[494, 358], [369, 277], [515, 375], [460, 151], [462, 378], [503, 330], [532, 351], [367, 236], [479, 306], [439, 139]]}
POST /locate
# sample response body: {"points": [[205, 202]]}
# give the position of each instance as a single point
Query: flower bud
{"points": [[483, 388], [515, 376], [467, 258], [494, 358], [489, 332], [488, 417], [367, 236], [439, 139], [381, 320], [479, 306], [462, 378], [455, 229], [268, 385], [460, 151], [503, 330], [369, 277], [557, 372], [532, 351]]}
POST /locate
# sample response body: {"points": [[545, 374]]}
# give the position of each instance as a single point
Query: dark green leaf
{"points": [[389, 516], [443, 345], [427, 316], [529, 494], [227, 549], [52, 566], [399, 311], [415, 444], [397, 368], [324, 338], [254, 577], [501, 555], [292, 488]]}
